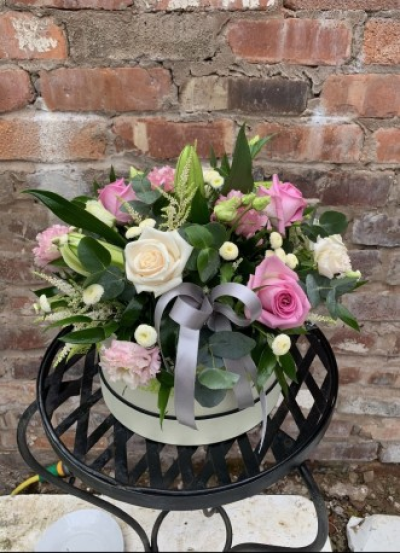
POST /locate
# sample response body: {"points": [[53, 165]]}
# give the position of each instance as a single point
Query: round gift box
{"points": [[137, 410]]}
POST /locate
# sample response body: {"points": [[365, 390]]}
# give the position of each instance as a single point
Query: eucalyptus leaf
{"points": [[231, 345], [333, 222], [313, 290], [218, 379], [111, 279], [206, 397], [208, 263], [218, 232], [199, 237], [347, 317]]}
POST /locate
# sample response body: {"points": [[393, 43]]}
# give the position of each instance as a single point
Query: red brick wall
{"points": [[89, 83]]}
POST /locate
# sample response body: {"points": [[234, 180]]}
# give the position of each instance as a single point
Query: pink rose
{"points": [[128, 361], [284, 304], [46, 251], [287, 203], [112, 197], [162, 176]]}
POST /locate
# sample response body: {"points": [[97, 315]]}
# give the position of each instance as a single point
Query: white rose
{"points": [[229, 251], [146, 336], [97, 209], [155, 262], [281, 344], [331, 256], [275, 240]]}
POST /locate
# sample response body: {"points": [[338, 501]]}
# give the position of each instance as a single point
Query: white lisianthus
{"points": [[156, 260], [146, 336], [229, 251], [133, 232], [147, 223], [281, 345], [291, 261], [275, 240], [213, 178], [280, 254], [97, 209], [331, 256], [44, 304], [92, 294]]}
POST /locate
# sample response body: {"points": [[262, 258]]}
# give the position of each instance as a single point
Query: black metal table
{"points": [[103, 454]]}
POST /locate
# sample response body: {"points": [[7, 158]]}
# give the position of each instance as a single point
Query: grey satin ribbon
{"points": [[192, 310]]}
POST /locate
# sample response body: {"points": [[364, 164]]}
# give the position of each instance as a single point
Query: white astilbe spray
{"points": [[64, 287]]}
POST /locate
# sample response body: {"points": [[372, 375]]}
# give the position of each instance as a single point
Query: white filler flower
{"points": [[146, 336], [229, 251], [133, 232], [281, 344], [92, 294], [147, 223], [291, 261], [275, 240], [44, 304]]}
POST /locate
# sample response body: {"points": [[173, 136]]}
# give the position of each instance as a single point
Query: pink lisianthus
{"points": [[162, 177], [287, 203], [284, 303], [249, 222], [112, 197], [46, 251], [129, 362]]}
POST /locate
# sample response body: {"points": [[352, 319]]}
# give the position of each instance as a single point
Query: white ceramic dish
{"points": [[83, 530]]}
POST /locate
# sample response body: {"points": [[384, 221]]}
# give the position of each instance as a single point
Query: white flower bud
{"points": [[147, 223], [146, 336], [281, 344], [133, 232], [92, 294], [291, 261], [97, 209], [44, 304], [269, 253], [275, 240], [280, 253], [229, 251]]}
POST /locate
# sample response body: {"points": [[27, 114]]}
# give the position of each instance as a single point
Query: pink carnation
{"points": [[46, 251], [129, 362], [162, 176], [251, 222]]}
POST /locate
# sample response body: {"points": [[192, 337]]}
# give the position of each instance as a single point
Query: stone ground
{"points": [[348, 490]]}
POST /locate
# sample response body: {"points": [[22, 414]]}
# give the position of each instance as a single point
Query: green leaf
{"points": [[166, 378], [213, 158], [93, 256], [313, 291], [208, 263], [70, 320], [163, 397], [259, 145], [265, 367], [199, 212], [231, 345], [344, 285], [144, 192], [218, 379], [132, 312], [112, 176], [206, 397], [240, 176], [140, 207], [281, 379], [348, 318], [112, 280], [225, 168], [199, 237], [289, 366], [76, 216], [331, 303], [218, 232], [333, 222], [90, 335]]}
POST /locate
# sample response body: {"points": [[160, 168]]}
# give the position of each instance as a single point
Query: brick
{"points": [[377, 229], [52, 138], [393, 272], [26, 368], [24, 36], [301, 41], [390, 453], [362, 95], [387, 145], [369, 262], [373, 401], [348, 5], [382, 429], [305, 181], [236, 5], [357, 188], [104, 89], [352, 342], [16, 270], [147, 36], [382, 42], [307, 143], [17, 393], [148, 136], [374, 306], [355, 452], [23, 338], [271, 96], [349, 375], [74, 4], [16, 90]]}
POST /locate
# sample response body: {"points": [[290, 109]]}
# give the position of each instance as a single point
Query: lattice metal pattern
{"points": [[89, 439]]}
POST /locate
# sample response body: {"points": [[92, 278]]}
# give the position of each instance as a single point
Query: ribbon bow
{"points": [[192, 310]]}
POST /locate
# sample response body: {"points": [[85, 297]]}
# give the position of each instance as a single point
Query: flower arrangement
{"points": [[189, 279]]}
